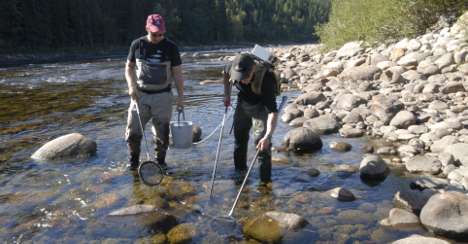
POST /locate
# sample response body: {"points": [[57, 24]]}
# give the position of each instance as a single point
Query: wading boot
{"points": [[162, 163], [134, 162]]}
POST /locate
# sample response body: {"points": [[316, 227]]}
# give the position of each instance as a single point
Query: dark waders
{"points": [[246, 116]]}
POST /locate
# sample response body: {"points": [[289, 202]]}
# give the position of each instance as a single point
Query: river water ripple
{"points": [[67, 201]]}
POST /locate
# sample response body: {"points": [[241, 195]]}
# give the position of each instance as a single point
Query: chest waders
{"points": [[247, 116], [152, 78]]}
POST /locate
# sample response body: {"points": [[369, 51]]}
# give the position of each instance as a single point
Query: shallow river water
{"points": [[67, 201]]}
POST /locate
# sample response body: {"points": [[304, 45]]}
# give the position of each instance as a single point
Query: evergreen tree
{"points": [[33, 25]]}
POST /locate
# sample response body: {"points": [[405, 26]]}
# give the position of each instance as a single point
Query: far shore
{"points": [[22, 58]]}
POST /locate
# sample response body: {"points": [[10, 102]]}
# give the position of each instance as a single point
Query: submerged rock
{"points": [[288, 221], [340, 146], [181, 233], [341, 194], [263, 229], [136, 209]]}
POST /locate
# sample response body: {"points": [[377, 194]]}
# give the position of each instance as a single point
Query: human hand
{"points": [[180, 106], [133, 93], [263, 144]]}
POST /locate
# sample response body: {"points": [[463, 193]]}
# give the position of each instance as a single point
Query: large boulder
{"points": [[291, 114], [373, 167], [182, 233], [361, 73], [444, 145], [424, 163], [403, 119], [446, 214], [302, 139], [417, 239], [452, 87], [264, 229], [67, 146], [428, 183], [323, 125], [459, 152], [386, 108], [310, 98], [411, 200], [350, 49], [349, 101], [399, 218]]}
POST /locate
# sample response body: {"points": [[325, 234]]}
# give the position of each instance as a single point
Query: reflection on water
{"points": [[67, 201]]}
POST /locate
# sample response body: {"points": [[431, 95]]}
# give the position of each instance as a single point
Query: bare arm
{"points": [[227, 90], [270, 129], [179, 83], [130, 77]]}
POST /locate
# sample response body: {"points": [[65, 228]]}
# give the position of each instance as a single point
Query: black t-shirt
{"points": [[267, 90], [165, 50]]}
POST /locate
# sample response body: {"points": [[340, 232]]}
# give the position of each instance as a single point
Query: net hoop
{"points": [[150, 173]]}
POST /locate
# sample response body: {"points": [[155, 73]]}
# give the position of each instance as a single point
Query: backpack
{"points": [[262, 69]]}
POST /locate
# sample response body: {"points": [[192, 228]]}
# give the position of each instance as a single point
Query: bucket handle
{"points": [[183, 114]]}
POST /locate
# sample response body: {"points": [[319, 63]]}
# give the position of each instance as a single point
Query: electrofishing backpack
{"points": [[265, 68]]}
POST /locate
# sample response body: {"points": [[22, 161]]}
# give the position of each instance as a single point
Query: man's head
{"points": [[155, 27], [242, 68]]}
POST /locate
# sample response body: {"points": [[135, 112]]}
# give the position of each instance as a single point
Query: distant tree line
{"points": [[45, 24]]}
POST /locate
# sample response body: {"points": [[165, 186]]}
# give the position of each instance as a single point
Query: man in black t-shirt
{"points": [[257, 110], [153, 64]]}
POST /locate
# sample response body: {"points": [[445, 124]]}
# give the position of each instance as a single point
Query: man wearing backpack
{"points": [[153, 64], [257, 109]]}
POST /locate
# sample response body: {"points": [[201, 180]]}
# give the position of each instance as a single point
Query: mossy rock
{"points": [[182, 233], [262, 229], [159, 238]]}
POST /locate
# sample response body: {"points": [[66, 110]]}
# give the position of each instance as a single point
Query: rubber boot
{"points": [[134, 162], [134, 150], [162, 163]]}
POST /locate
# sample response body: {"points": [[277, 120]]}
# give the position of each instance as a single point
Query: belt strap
{"points": [[167, 89]]}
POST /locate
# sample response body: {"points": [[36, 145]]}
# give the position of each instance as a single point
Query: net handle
{"points": [[243, 184], [142, 130], [283, 101]]}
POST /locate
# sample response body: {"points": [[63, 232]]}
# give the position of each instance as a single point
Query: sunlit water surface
{"points": [[67, 201]]}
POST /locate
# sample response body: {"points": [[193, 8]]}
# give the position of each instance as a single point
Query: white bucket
{"points": [[182, 134]]}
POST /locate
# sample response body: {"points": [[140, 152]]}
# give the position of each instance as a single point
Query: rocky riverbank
{"points": [[413, 95]]}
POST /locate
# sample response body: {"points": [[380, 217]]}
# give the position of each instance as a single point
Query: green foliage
{"points": [[379, 20], [45, 24]]}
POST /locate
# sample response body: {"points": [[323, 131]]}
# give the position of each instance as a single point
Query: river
{"points": [[68, 200]]}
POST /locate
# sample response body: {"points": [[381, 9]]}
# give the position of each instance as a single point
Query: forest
{"points": [[35, 25]]}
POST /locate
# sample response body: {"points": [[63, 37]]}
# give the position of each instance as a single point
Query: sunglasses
{"points": [[156, 35]]}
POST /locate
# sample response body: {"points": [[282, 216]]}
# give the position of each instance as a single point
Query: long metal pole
{"points": [[219, 145]]}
